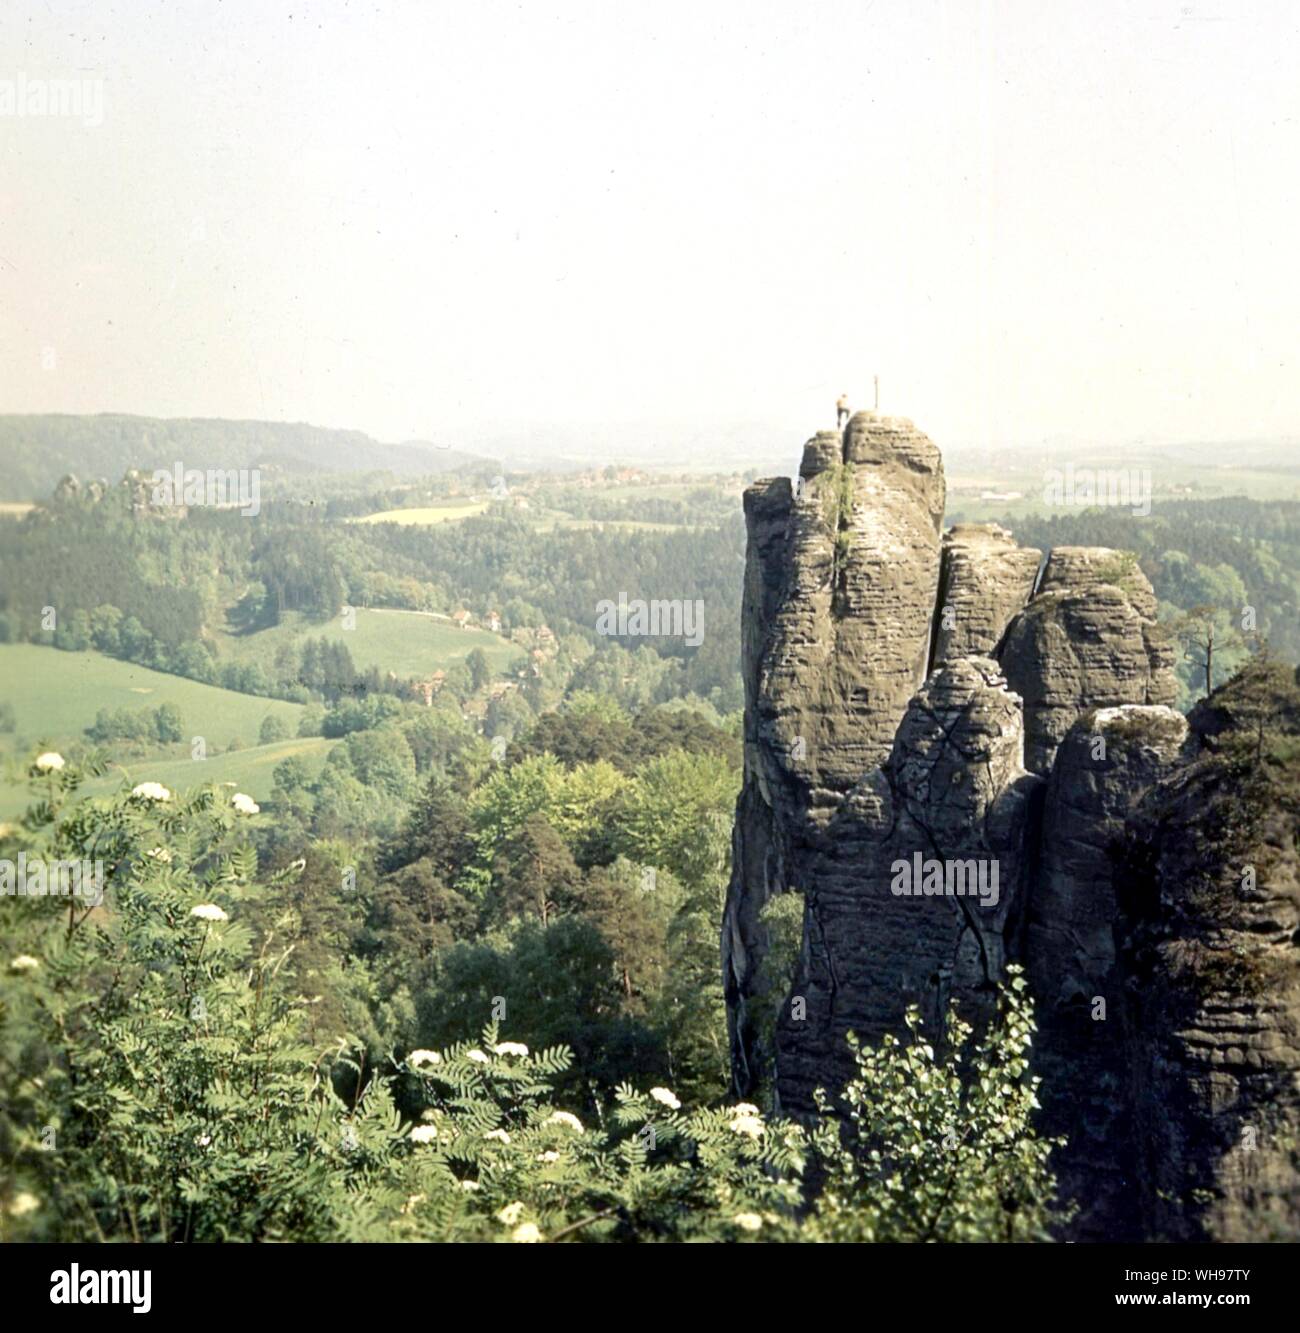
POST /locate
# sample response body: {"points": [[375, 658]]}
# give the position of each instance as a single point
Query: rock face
{"points": [[1208, 877], [953, 793], [986, 581], [847, 641], [1088, 639], [942, 748], [1108, 759], [839, 589]]}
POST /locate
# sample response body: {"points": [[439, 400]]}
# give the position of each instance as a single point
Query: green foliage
{"points": [[677, 814], [273, 729], [158, 1083], [782, 921], [162, 725], [938, 1146]]}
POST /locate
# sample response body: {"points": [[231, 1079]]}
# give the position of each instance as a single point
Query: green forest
{"points": [[439, 961]]}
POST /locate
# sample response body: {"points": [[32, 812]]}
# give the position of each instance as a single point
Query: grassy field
{"points": [[427, 517], [250, 770], [407, 642], [55, 696]]}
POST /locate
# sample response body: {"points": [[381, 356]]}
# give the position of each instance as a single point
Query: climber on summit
{"points": [[841, 410]]}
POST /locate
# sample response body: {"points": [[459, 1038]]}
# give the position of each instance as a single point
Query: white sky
{"points": [[1032, 219]]}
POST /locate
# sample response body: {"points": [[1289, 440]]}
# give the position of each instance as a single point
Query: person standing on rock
{"points": [[841, 411]]}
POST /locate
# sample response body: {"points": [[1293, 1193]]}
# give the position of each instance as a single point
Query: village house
{"points": [[426, 689]]}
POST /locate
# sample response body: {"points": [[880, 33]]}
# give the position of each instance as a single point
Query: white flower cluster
{"points": [[745, 1119], [23, 1204]]}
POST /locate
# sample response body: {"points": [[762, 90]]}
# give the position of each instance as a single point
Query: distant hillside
{"points": [[36, 451]]}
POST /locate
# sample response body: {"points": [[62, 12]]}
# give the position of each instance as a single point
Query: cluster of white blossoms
{"points": [[499, 1135], [567, 1119], [162, 854], [479, 1057], [244, 804], [420, 1058], [24, 963], [208, 912], [748, 1221], [424, 1134], [22, 1204], [745, 1119], [511, 1048], [524, 1233], [151, 791], [49, 762], [549, 1156], [665, 1097]]}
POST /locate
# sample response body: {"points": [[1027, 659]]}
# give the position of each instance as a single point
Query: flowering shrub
{"points": [[156, 1085]]}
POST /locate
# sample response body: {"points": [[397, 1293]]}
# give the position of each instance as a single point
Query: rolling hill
{"points": [[36, 451]]}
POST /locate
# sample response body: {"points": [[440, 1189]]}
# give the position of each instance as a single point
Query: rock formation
{"points": [[945, 740]]}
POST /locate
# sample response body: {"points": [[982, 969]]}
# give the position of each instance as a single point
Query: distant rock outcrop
{"points": [[946, 738]]}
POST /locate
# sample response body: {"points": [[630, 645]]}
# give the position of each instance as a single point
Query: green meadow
{"points": [[248, 770], [55, 696], [410, 643], [428, 516]]}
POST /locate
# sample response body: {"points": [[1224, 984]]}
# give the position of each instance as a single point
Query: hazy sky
{"points": [[1031, 219]]}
